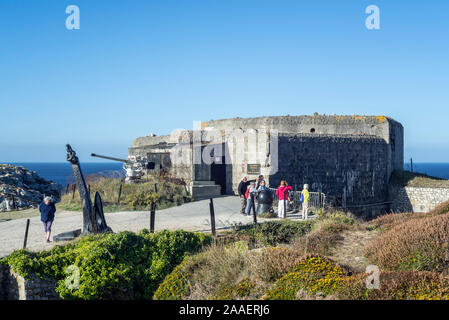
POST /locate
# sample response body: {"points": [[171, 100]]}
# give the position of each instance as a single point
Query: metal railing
{"points": [[316, 200]]}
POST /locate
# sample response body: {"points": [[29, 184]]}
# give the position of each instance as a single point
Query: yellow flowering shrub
{"points": [[175, 285], [242, 289], [402, 285], [313, 275]]}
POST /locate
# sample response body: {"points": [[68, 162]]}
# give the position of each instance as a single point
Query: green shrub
{"points": [[271, 233], [111, 266]]}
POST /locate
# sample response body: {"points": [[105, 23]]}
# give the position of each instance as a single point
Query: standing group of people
{"points": [[282, 194], [248, 188]]}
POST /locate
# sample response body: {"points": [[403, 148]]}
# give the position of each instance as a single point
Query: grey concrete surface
{"points": [[192, 216]]}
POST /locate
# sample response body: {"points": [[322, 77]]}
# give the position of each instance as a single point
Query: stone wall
{"points": [[416, 199], [15, 287], [350, 170], [380, 126]]}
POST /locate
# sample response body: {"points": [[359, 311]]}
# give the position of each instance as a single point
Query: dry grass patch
{"points": [[417, 244], [413, 179]]}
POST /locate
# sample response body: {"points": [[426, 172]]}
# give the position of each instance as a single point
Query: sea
{"points": [[61, 172]]}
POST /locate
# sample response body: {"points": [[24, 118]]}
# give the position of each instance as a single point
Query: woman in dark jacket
{"points": [[47, 210]]}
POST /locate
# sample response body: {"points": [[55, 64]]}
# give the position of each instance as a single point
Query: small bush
{"points": [[175, 285], [314, 275], [219, 272], [319, 242], [268, 215], [273, 263], [238, 291], [417, 244], [271, 233]]}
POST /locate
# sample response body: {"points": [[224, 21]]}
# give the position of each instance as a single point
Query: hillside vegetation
{"points": [[133, 196], [316, 261], [324, 258]]}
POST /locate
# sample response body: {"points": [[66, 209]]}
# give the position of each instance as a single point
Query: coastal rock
{"points": [[21, 188]]}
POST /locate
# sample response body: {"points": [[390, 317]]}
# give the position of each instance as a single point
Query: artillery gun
{"points": [[134, 166]]}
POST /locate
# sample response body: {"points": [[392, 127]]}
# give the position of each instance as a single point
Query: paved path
{"points": [[192, 216]]}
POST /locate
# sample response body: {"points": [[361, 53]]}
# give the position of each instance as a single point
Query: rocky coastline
{"points": [[22, 189]]}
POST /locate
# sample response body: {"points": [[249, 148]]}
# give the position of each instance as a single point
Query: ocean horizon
{"points": [[61, 172]]}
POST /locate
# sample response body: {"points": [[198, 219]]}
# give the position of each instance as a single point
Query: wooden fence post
{"points": [[26, 234], [253, 207], [212, 217], [152, 216], [119, 194], [73, 191]]}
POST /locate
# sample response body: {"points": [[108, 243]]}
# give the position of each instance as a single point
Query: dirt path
{"points": [[349, 251]]}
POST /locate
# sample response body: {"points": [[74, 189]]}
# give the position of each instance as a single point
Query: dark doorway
{"points": [[218, 173]]}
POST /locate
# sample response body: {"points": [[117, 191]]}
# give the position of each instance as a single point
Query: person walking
{"points": [[243, 186], [47, 209], [251, 192], [282, 194], [305, 196]]}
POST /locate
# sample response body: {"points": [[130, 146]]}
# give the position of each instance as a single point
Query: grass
{"points": [[19, 214], [416, 244], [412, 179], [133, 196]]}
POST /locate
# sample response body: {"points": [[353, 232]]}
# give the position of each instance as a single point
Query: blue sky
{"points": [[136, 67]]}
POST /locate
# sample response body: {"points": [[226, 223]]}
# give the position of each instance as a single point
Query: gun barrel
{"points": [[108, 158]]}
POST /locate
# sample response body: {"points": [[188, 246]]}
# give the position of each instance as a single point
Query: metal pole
{"points": [[212, 217], [411, 164], [119, 194], [319, 199], [26, 234], [253, 207]]}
